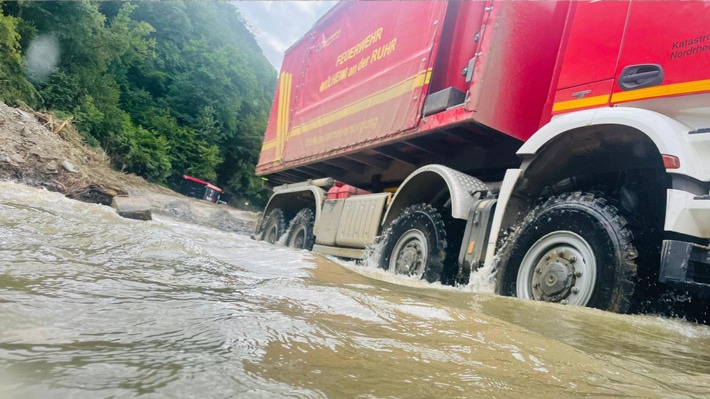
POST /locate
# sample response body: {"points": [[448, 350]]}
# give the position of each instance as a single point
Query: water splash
{"points": [[483, 279]]}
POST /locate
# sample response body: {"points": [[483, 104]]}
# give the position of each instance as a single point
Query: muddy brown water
{"points": [[95, 306]]}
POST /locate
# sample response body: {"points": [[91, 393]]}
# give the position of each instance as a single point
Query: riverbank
{"points": [[40, 151]]}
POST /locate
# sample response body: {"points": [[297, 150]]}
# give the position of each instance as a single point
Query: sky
{"points": [[278, 24]]}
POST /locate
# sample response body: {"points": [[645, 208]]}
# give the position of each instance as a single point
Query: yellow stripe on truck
{"points": [[661, 91], [282, 116], [368, 102], [580, 103], [394, 91], [634, 95]]}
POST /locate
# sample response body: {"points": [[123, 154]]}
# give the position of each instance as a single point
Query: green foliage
{"points": [[13, 85], [166, 87], [211, 77], [148, 154]]}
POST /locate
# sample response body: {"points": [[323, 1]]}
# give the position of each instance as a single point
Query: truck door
{"points": [[591, 51], [665, 52]]}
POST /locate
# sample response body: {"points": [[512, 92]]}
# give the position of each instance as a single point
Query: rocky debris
{"points": [[70, 167], [95, 194], [221, 217], [51, 167], [224, 220], [40, 151], [37, 150], [132, 208], [179, 210]]}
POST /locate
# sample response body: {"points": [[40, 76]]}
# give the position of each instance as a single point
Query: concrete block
{"points": [[132, 208]]}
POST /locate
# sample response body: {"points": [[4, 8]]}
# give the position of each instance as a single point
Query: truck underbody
{"points": [[471, 148]]}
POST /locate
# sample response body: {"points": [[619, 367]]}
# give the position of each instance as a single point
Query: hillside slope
{"points": [[39, 151]]}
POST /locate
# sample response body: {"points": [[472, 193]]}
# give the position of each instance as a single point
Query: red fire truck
{"points": [[565, 144]]}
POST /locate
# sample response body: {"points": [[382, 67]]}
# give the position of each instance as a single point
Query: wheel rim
{"points": [[410, 253], [298, 237], [559, 267]]}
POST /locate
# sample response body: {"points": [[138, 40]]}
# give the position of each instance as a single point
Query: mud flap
{"points": [[475, 239]]}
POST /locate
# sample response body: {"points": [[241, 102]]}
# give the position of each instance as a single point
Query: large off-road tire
{"points": [[273, 226], [574, 249], [300, 232], [415, 244]]}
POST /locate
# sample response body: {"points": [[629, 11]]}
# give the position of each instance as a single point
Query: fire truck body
{"points": [[580, 130]]}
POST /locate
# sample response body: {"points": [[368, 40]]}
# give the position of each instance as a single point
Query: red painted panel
{"points": [[674, 35], [359, 77], [593, 43], [458, 44], [515, 71]]}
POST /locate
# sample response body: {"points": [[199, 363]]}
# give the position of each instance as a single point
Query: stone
{"points": [[16, 158], [131, 207], [51, 167], [95, 194], [70, 167]]}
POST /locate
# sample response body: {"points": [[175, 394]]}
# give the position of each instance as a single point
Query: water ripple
{"points": [[93, 305]]}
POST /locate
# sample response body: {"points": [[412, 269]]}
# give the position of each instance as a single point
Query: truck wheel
{"points": [[574, 249], [273, 226], [415, 244], [300, 234]]}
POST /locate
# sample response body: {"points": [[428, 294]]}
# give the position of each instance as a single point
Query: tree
{"points": [[13, 85], [211, 77]]}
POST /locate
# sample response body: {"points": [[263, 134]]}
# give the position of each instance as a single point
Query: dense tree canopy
{"points": [[166, 88]]}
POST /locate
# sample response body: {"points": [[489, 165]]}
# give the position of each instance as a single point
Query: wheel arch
{"points": [[668, 135], [588, 150], [597, 141], [427, 184], [292, 200]]}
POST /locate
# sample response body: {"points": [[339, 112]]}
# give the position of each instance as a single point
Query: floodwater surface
{"points": [[96, 306]]}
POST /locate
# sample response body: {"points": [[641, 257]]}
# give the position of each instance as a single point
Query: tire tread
{"points": [[626, 272], [305, 217], [435, 269]]}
